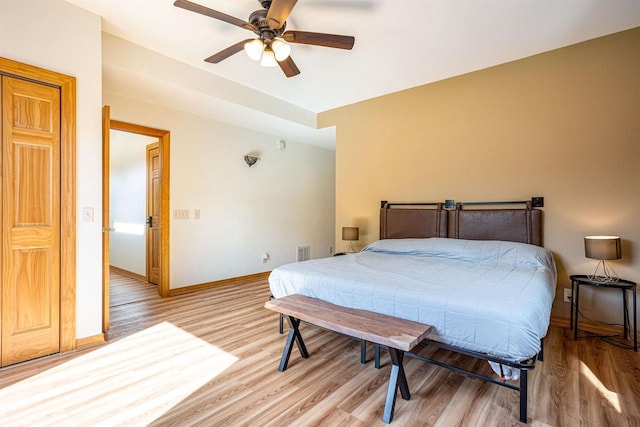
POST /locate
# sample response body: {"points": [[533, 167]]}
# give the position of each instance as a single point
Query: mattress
{"points": [[492, 297]]}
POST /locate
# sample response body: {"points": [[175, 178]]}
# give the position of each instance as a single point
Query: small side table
{"points": [[624, 285]]}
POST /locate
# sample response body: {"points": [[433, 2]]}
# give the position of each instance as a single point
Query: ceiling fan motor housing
{"points": [[259, 20]]}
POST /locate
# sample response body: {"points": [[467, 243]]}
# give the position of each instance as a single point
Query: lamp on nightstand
{"points": [[350, 234], [603, 248]]}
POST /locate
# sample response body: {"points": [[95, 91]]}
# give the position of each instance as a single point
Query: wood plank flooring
{"points": [[210, 358], [124, 289]]}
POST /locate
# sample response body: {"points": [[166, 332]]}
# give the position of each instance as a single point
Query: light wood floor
{"points": [[210, 358], [124, 289]]}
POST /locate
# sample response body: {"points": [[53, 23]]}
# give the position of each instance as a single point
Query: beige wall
{"points": [[564, 125]]}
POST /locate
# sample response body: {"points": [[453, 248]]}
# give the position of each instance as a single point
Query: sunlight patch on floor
{"points": [[132, 381], [611, 396]]}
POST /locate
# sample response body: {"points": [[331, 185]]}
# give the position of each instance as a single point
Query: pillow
{"points": [[493, 252]]}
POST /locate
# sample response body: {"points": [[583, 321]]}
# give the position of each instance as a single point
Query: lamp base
{"points": [[606, 277]]}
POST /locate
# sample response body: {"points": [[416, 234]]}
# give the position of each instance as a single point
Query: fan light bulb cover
{"points": [[281, 50], [254, 49], [268, 58]]}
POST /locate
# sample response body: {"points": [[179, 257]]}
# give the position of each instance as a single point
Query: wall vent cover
{"points": [[302, 253]]}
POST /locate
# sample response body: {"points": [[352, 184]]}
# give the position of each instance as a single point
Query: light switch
{"points": [[181, 214], [87, 214]]}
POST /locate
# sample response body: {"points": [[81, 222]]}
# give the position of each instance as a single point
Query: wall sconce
{"points": [[603, 248], [251, 160], [350, 234]]}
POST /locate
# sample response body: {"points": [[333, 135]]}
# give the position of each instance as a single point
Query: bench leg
{"points": [[397, 379], [376, 356], [363, 352], [294, 336]]}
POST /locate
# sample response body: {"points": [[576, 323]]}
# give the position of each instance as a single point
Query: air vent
{"points": [[302, 253]]}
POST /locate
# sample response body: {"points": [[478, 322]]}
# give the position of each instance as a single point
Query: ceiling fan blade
{"points": [[225, 53], [288, 67], [279, 12], [319, 39], [193, 7]]}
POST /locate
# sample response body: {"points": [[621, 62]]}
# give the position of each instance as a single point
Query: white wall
{"points": [[128, 201], [58, 36], [285, 200]]}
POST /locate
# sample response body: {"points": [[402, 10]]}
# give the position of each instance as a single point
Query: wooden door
{"points": [[153, 213], [106, 220], [30, 220]]}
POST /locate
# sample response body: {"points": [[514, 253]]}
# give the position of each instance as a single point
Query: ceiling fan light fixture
{"points": [[281, 50], [268, 58], [254, 49]]}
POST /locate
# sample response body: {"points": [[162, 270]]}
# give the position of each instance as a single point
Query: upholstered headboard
{"points": [[472, 221], [409, 220]]}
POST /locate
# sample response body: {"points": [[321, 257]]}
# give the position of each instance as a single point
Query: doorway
{"points": [[130, 206], [135, 190]]}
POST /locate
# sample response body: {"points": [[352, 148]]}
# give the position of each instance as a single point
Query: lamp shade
{"points": [[254, 49], [280, 49], [602, 247], [350, 233], [268, 58]]}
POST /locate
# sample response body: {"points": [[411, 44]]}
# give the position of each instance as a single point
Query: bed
{"points": [[477, 273]]}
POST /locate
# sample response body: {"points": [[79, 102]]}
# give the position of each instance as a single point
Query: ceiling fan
{"points": [[269, 23]]}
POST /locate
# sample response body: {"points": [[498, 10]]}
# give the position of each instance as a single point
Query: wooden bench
{"points": [[399, 335]]}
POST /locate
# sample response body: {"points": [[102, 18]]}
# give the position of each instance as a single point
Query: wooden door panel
{"points": [[30, 220], [33, 112], [33, 283], [153, 210], [34, 193]]}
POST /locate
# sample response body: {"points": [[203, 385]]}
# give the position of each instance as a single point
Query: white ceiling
{"points": [[399, 44]]}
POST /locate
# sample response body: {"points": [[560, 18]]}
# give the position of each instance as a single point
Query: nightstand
{"points": [[624, 286]]}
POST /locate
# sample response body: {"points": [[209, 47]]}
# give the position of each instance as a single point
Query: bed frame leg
{"points": [[294, 336], [523, 395], [541, 353]]}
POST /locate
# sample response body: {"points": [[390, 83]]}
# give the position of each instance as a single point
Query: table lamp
{"points": [[350, 234], [603, 248]]}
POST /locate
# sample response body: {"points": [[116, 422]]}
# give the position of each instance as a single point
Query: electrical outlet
{"points": [[567, 295], [196, 214], [265, 257], [330, 249]]}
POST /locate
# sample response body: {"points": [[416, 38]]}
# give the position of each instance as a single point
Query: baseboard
{"points": [[596, 328], [235, 280], [90, 341], [128, 273]]}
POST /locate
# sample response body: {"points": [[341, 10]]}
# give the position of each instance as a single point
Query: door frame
{"points": [[164, 142], [67, 86]]}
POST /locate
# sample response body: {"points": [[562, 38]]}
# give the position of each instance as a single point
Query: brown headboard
{"points": [[412, 220], [471, 221]]}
